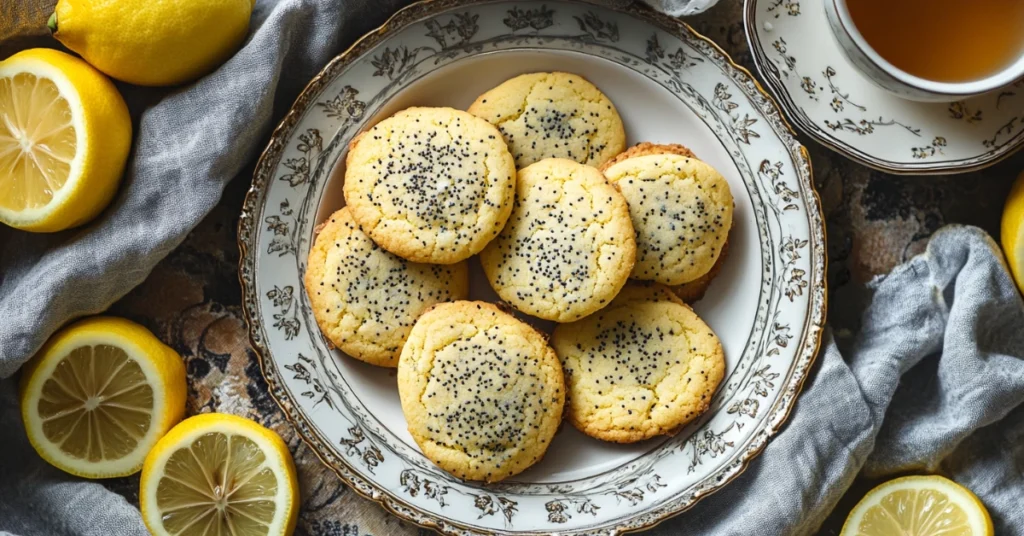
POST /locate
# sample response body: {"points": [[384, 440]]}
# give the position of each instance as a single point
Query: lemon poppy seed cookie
{"points": [[366, 300], [482, 392], [553, 115], [644, 366], [567, 248], [430, 184], [681, 209], [694, 290]]}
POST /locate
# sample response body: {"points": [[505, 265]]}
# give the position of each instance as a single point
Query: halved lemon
{"points": [[919, 506], [99, 395], [64, 139], [1012, 232], [218, 474]]}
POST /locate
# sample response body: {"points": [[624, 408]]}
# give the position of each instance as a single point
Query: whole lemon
{"points": [[1012, 231], [152, 42]]}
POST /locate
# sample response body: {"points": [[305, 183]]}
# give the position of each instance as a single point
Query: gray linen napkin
{"points": [[189, 142], [933, 381]]}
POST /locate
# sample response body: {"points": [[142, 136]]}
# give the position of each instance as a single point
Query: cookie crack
{"points": [[433, 360], [522, 108], [590, 144], [483, 199]]}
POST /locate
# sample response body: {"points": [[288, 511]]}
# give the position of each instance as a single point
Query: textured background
{"points": [[192, 299]]}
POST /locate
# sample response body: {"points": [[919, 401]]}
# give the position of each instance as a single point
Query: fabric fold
{"points": [[932, 382]]}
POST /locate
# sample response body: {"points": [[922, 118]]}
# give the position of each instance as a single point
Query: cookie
{"points": [[430, 184], [691, 291], [482, 392], [553, 115], [567, 248], [644, 366], [681, 209], [366, 300]]}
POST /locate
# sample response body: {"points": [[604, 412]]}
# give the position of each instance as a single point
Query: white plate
{"points": [[829, 100], [670, 85]]}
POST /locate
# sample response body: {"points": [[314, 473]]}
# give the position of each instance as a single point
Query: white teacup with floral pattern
{"points": [[899, 82]]}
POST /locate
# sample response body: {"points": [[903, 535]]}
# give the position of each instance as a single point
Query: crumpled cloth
{"points": [[933, 380]]}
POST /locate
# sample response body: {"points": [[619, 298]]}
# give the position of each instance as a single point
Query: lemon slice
{"points": [[64, 139], [99, 395], [217, 474], [919, 506], [1012, 231]]}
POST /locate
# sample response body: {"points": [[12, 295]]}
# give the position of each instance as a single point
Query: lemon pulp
{"points": [[37, 141], [922, 505], [65, 134], [219, 484], [99, 394], [218, 474], [910, 512], [97, 404]]}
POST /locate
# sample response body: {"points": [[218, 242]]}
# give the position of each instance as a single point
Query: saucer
{"points": [[831, 101]]}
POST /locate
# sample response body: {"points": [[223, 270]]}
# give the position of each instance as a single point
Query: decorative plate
{"points": [[670, 85], [829, 100]]}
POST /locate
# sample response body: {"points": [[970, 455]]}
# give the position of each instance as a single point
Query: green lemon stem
{"points": [[51, 23]]}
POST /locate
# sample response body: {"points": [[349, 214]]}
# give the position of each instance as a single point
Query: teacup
{"points": [[899, 82]]}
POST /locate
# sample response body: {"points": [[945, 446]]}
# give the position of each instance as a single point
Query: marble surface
{"points": [[192, 299]]}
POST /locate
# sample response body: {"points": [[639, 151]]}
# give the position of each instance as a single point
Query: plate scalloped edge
{"points": [[805, 356]]}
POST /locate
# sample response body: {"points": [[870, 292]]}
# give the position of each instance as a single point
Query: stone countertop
{"points": [[192, 299]]}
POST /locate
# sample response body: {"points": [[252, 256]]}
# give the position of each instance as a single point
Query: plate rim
{"points": [[418, 10], [793, 113]]}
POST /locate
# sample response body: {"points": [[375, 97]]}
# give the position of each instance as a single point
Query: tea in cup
{"points": [[932, 50]]}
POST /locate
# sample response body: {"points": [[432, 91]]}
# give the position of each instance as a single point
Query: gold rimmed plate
{"points": [[671, 86]]}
